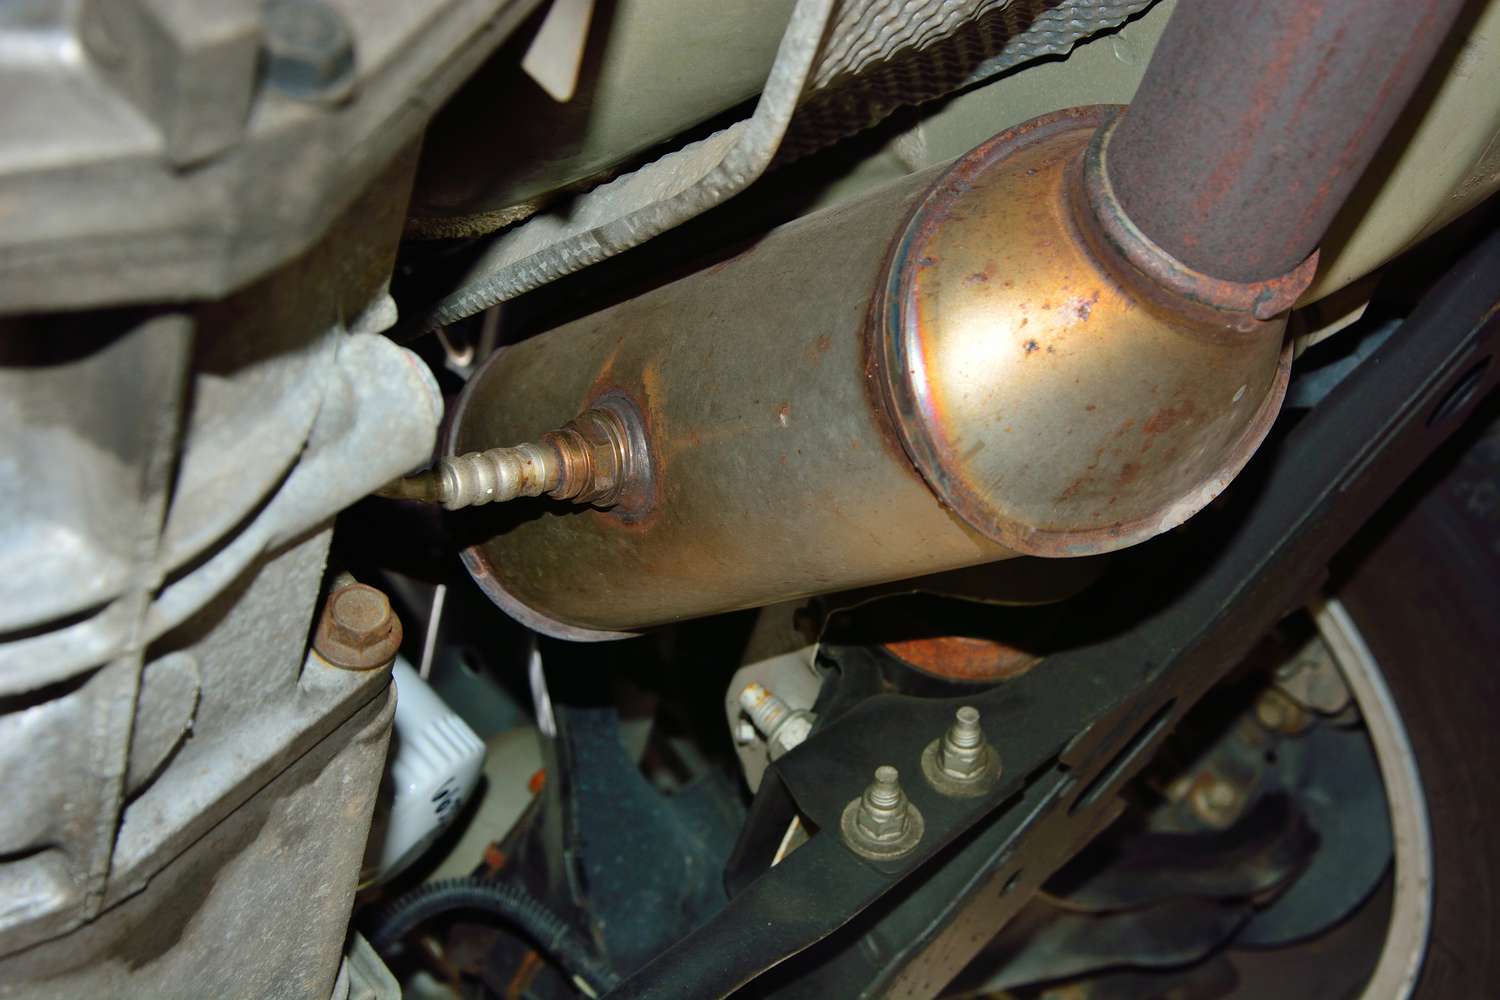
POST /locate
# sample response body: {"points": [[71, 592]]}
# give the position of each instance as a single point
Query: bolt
{"points": [[766, 710], [961, 763], [882, 809], [358, 629], [1278, 713], [1270, 712], [882, 823], [1214, 800], [358, 615], [962, 751], [309, 50], [791, 734], [782, 727]]}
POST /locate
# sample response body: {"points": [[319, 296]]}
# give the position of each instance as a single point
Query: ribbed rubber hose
{"points": [[510, 903]]}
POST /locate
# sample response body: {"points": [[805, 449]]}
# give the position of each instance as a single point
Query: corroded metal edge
{"points": [[903, 397], [484, 575], [1260, 299]]}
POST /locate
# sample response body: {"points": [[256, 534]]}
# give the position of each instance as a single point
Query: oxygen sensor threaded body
{"points": [[588, 461], [526, 470]]}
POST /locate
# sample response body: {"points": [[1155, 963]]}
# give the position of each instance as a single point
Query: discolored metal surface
{"points": [[1261, 299], [776, 475], [963, 658], [358, 629], [854, 401], [1255, 120], [1054, 397]]}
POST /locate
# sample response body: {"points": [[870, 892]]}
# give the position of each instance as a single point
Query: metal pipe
{"points": [[955, 370], [1255, 120], [1067, 342]]}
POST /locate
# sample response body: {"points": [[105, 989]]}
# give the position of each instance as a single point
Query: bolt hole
{"points": [[1458, 397]]}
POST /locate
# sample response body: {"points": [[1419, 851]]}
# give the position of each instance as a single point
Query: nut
{"points": [[882, 824], [1312, 679], [882, 815], [358, 629], [790, 734], [1215, 800], [309, 50], [962, 763], [1280, 714]]}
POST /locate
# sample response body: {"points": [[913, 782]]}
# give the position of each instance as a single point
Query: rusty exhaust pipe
{"points": [[1001, 357], [1254, 121]]}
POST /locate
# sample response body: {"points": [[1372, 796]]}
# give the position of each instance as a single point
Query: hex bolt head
{"points": [[774, 719], [962, 763], [882, 816], [1214, 800], [309, 50], [961, 752], [790, 734], [358, 629], [1278, 713], [882, 824]]}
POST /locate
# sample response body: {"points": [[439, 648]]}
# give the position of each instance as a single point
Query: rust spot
{"points": [[1091, 408], [927, 261], [1124, 429], [1072, 489], [982, 277], [964, 658], [1128, 472], [640, 507], [1168, 417], [1082, 307], [818, 348], [1024, 321], [1031, 345], [526, 970]]}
